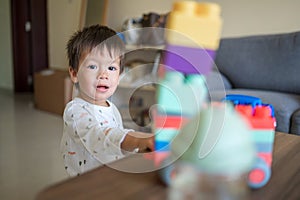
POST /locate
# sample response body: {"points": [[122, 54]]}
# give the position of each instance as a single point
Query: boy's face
{"points": [[98, 76]]}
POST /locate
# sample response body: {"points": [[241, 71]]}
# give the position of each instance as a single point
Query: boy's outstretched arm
{"points": [[144, 142]]}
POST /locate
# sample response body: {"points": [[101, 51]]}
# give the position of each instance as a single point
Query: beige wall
{"points": [[6, 63], [241, 17], [64, 18], [63, 21], [95, 12], [120, 10], [244, 17]]}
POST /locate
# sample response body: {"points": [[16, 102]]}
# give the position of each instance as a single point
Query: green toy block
{"points": [[181, 95]]}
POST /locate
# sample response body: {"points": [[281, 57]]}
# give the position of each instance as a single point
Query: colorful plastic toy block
{"points": [[216, 141], [179, 98], [237, 99], [194, 24], [262, 122], [181, 95], [192, 35], [166, 128], [188, 60], [163, 139], [170, 121]]}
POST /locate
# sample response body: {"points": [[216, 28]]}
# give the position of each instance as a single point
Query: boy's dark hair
{"points": [[83, 42]]}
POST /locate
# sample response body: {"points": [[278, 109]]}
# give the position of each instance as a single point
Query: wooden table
{"points": [[108, 183]]}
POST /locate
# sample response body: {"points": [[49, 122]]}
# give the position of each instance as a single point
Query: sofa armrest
{"points": [[295, 123], [217, 81]]}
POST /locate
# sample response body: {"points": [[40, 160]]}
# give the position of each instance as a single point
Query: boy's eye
{"points": [[92, 67], [112, 68]]}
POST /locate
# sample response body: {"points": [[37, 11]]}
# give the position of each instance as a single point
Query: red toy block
{"points": [[259, 117], [175, 122]]}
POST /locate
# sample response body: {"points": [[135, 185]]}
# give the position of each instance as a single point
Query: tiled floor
{"points": [[29, 148]]}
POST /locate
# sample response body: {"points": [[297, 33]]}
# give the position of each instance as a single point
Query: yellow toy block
{"points": [[194, 24]]}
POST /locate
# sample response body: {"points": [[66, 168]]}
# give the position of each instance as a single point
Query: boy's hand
{"points": [[144, 142]]}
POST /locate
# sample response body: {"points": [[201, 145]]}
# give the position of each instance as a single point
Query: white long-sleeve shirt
{"points": [[92, 136]]}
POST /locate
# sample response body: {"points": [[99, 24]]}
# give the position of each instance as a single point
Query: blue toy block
{"points": [[264, 147], [243, 99], [239, 99], [161, 146], [163, 137]]}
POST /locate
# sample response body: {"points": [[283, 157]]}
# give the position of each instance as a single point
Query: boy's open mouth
{"points": [[102, 88]]}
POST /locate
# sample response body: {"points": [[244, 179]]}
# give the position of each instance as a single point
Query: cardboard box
{"points": [[52, 90]]}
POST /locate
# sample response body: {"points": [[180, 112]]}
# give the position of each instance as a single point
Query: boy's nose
{"points": [[103, 74]]}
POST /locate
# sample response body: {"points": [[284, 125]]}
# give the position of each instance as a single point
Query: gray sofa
{"points": [[265, 66]]}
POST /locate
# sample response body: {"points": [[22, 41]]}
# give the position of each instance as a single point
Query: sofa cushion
{"points": [[216, 81], [267, 62], [284, 105]]}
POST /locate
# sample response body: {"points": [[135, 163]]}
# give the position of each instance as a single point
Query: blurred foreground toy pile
{"points": [[229, 138]]}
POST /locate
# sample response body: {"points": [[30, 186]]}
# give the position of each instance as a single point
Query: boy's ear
{"points": [[73, 75]]}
